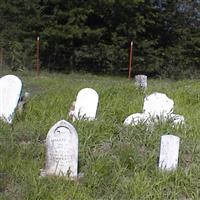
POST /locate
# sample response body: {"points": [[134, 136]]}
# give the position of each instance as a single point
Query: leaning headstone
{"points": [[10, 90], [169, 151], [62, 151], [158, 105], [86, 104], [141, 81], [135, 119]]}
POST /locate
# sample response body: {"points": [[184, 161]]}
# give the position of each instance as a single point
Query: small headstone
{"points": [[141, 81], [62, 151], [10, 90], [169, 151], [86, 104], [158, 105], [135, 119]]}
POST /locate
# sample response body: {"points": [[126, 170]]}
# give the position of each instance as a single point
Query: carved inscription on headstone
{"points": [[169, 151], [62, 150]]}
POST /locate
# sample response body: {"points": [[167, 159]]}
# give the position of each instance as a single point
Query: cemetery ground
{"points": [[117, 161]]}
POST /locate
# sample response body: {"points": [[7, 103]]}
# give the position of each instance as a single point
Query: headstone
{"points": [[158, 105], [169, 151], [135, 119], [62, 151], [10, 90], [86, 104], [141, 81]]}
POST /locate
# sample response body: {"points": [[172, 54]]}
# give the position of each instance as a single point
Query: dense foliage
{"points": [[95, 36]]}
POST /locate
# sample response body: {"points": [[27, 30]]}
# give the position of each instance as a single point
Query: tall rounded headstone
{"points": [[141, 81], [10, 90], [86, 104], [169, 152], [62, 151]]}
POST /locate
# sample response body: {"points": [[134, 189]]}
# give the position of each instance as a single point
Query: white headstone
{"points": [[10, 90], [169, 151], [62, 151], [141, 81], [135, 119], [158, 105], [86, 104]]}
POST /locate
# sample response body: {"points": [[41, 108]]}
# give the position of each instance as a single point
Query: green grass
{"points": [[118, 162]]}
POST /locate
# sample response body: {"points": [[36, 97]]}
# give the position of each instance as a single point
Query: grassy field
{"points": [[118, 162]]}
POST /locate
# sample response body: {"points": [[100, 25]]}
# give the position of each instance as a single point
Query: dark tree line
{"points": [[94, 36]]}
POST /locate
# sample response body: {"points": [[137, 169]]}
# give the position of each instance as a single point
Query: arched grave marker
{"points": [[169, 151], [62, 151], [86, 104], [10, 90]]}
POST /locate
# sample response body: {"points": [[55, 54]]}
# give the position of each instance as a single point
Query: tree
{"points": [[95, 36]]}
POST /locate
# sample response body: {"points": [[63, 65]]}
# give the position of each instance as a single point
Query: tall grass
{"points": [[118, 162]]}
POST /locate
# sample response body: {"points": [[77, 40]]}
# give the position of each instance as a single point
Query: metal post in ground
{"points": [[130, 61], [38, 56]]}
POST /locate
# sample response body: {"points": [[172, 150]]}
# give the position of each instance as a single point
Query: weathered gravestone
{"points": [[10, 90], [169, 151], [86, 104], [62, 151], [141, 81], [158, 105]]}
